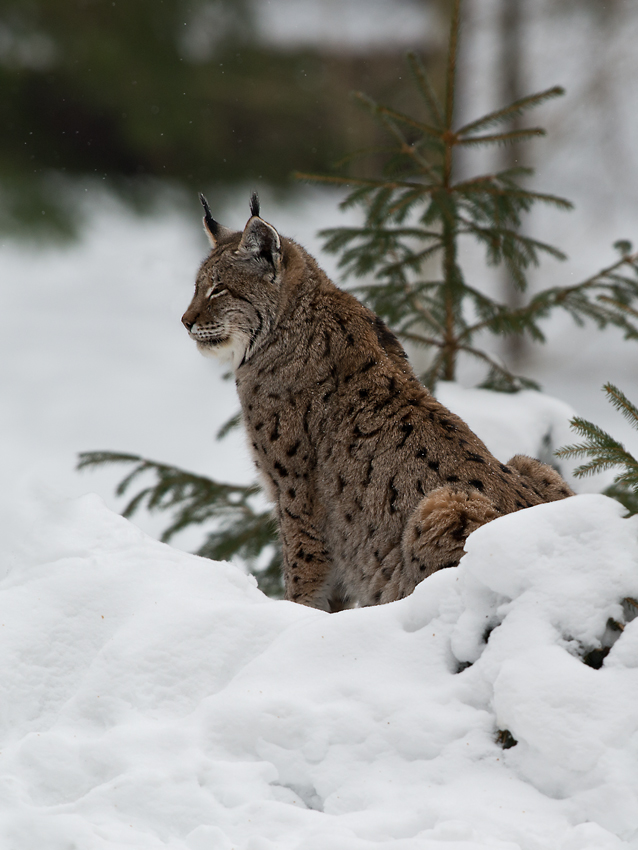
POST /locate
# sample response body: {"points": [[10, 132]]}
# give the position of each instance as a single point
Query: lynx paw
{"points": [[543, 478], [436, 532]]}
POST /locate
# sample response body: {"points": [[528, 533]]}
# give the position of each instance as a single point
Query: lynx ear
{"points": [[261, 241], [215, 231]]}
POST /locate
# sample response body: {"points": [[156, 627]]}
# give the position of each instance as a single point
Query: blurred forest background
{"points": [[115, 114], [201, 93], [191, 93]]}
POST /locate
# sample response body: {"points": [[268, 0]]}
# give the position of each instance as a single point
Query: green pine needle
{"points": [[503, 138], [422, 80], [230, 425], [518, 107], [622, 403], [602, 450]]}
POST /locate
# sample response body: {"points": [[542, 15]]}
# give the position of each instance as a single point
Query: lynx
{"points": [[375, 484]]}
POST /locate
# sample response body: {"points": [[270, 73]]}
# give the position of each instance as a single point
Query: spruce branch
{"points": [[230, 425], [628, 498], [402, 207], [620, 401], [421, 310], [585, 300], [602, 450], [425, 88], [488, 185], [513, 110], [501, 138], [385, 113]]}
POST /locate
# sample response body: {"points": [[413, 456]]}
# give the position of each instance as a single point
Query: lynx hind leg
{"points": [[543, 478], [436, 532]]}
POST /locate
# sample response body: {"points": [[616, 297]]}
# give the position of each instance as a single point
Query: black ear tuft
{"points": [[254, 204], [211, 224]]}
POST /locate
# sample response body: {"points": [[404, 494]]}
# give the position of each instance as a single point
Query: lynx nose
{"points": [[188, 322]]}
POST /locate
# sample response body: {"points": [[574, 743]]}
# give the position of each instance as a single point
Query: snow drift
{"points": [[153, 699]]}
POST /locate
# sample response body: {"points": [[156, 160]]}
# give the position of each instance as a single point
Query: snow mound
{"points": [[153, 699]]}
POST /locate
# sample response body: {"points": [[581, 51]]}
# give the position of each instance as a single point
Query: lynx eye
{"points": [[211, 293], [217, 294]]}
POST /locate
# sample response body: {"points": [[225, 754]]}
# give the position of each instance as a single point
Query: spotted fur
{"points": [[375, 484]]}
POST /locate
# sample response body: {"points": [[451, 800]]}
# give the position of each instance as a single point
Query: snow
{"points": [[152, 699], [155, 699]]}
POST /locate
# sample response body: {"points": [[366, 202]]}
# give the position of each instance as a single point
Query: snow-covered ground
{"points": [[153, 699]]}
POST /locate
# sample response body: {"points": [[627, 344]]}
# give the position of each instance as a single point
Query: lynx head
{"points": [[236, 293]]}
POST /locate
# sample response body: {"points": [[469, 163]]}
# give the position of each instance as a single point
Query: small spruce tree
{"points": [[416, 212], [604, 452]]}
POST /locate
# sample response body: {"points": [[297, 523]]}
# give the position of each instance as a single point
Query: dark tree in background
{"points": [[179, 91], [511, 38], [135, 94]]}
